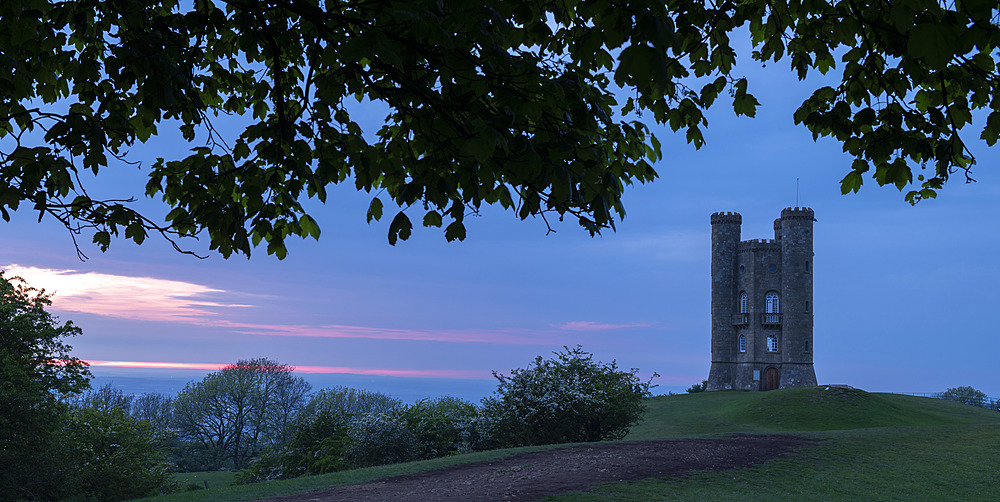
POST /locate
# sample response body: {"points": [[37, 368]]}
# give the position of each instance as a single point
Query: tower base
{"points": [[760, 376]]}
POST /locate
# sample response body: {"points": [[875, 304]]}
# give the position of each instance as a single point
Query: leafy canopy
{"points": [[966, 395], [37, 373], [507, 102]]}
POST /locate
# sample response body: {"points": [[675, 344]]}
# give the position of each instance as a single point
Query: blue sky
{"points": [[905, 297]]}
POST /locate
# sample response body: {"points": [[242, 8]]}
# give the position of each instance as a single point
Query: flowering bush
{"points": [[570, 398], [379, 439], [111, 456], [441, 426], [320, 437], [316, 447]]}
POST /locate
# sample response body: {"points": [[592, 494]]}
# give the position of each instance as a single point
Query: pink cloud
{"points": [[164, 300], [137, 298], [593, 326], [503, 337], [404, 373]]}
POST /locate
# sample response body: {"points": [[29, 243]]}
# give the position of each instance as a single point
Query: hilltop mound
{"points": [[803, 409]]}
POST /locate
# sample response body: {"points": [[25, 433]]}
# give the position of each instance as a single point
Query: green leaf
{"points": [[481, 147], [743, 102], [102, 239], [934, 43], [992, 130], [136, 232], [399, 228], [375, 210], [851, 182], [241, 150], [276, 246], [455, 231], [432, 219], [309, 226]]}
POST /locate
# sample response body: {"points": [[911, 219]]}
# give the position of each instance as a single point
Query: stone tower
{"points": [[762, 321]]}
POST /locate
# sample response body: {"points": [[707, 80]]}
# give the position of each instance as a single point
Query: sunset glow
{"points": [[162, 300], [404, 373], [595, 326], [503, 337]]}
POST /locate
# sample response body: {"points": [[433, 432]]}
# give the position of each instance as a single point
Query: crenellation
{"points": [[755, 245], [798, 213], [726, 217]]}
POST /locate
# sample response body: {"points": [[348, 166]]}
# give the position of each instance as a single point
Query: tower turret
{"points": [[797, 295], [725, 243]]}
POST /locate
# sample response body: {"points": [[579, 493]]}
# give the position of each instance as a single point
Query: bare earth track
{"points": [[533, 476]]}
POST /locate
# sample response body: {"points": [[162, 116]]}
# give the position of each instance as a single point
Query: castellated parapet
{"points": [[762, 291], [726, 217]]}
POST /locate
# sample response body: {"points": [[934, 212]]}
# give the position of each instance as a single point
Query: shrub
{"points": [[379, 439], [350, 402], [334, 432], [111, 456], [965, 395], [317, 446], [698, 387], [569, 398], [441, 426]]}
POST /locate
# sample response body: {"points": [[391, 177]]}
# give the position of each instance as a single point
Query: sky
{"points": [[905, 297]]}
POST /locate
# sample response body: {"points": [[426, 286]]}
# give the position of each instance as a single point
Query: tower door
{"points": [[771, 380]]}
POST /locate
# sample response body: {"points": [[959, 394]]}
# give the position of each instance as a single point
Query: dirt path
{"points": [[533, 476]]}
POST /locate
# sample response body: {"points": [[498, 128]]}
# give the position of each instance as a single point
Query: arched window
{"points": [[744, 302], [743, 343], [772, 343], [771, 303]]}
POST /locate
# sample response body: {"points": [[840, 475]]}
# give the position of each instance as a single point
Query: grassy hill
{"points": [[875, 447], [796, 410]]}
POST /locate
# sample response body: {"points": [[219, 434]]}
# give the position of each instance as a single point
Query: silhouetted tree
{"points": [[36, 373], [237, 411], [516, 103]]}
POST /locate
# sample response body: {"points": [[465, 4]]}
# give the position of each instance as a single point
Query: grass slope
{"points": [[802, 409], [220, 492], [877, 447]]}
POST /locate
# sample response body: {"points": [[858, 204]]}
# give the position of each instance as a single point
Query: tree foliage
{"points": [[350, 402], [316, 446], [513, 103], [570, 398], [110, 456], [36, 373], [234, 413], [153, 407], [965, 395], [324, 435], [442, 426], [698, 387], [380, 439]]}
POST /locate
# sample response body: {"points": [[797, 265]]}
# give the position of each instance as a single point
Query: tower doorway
{"points": [[771, 379]]}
